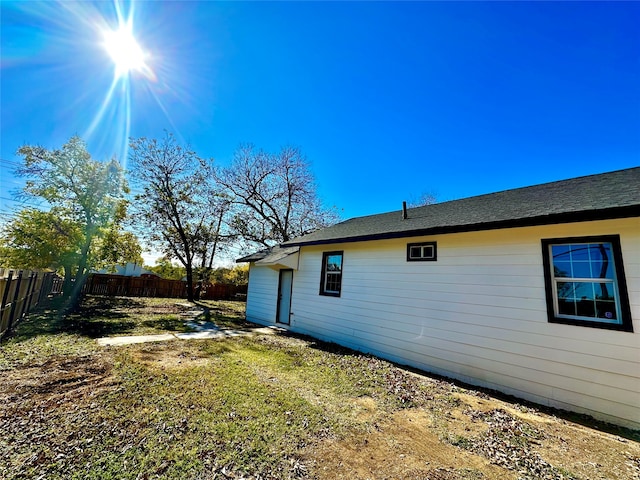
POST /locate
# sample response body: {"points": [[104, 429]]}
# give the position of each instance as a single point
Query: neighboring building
{"points": [[534, 292], [130, 270]]}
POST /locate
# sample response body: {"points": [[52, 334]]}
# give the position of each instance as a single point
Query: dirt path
{"points": [[476, 438]]}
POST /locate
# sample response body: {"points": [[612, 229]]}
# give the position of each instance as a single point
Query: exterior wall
{"points": [[478, 314], [262, 294]]}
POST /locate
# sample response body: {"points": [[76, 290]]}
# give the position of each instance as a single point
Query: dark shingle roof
{"points": [[595, 197], [269, 255], [255, 256]]}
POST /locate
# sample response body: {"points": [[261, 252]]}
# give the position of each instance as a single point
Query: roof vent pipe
{"points": [[404, 210]]}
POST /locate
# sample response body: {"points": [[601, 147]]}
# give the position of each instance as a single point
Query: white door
{"points": [[284, 296]]}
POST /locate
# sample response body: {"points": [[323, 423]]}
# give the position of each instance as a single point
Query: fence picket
{"points": [[14, 302], [120, 285], [23, 295], [5, 296]]}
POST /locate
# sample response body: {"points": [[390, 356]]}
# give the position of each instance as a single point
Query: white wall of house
{"points": [[478, 314], [262, 295]]}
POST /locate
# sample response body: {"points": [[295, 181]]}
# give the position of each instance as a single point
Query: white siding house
{"points": [[546, 308]]}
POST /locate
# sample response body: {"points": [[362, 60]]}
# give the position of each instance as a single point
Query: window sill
{"points": [[621, 327]]}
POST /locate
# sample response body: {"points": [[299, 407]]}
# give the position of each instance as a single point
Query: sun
{"points": [[124, 50]]}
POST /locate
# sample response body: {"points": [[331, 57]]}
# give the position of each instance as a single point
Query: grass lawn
{"points": [[263, 407]]}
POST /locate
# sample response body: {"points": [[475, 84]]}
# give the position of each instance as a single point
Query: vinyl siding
{"points": [[262, 295], [479, 314]]}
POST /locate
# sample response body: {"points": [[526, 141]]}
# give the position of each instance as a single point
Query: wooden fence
{"points": [[119, 285], [223, 291], [20, 291]]}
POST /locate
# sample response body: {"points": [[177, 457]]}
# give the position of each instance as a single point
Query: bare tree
{"points": [[274, 196], [214, 236], [425, 198], [173, 202]]}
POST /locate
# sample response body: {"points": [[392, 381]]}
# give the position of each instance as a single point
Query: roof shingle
{"points": [[595, 197]]}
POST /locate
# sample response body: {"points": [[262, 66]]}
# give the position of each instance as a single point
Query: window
{"points": [[585, 284], [421, 252], [331, 280]]}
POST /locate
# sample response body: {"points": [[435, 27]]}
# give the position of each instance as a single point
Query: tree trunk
{"points": [[67, 284], [215, 240], [189, 268], [81, 274], [76, 294]]}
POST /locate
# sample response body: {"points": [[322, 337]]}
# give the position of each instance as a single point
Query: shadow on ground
{"points": [[99, 317]]}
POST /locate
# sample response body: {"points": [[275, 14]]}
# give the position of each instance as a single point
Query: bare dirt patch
{"points": [[70, 377], [166, 356], [465, 434], [132, 306], [403, 446], [44, 408], [552, 446]]}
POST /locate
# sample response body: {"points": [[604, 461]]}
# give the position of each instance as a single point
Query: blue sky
{"points": [[387, 100]]}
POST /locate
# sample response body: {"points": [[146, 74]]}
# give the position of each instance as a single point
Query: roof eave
{"points": [[554, 219]]}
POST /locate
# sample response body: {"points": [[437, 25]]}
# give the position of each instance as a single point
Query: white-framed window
{"points": [[422, 252], [585, 283], [331, 278]]}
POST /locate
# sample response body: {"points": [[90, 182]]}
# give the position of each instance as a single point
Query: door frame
{"points": [[288, 322]]}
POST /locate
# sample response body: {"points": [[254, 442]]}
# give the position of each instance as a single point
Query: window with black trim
{"points": [[422, 252], [331, 279], [585, 282]]}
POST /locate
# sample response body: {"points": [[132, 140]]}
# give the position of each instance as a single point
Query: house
{"points": [[534, 292], [130, 270]]}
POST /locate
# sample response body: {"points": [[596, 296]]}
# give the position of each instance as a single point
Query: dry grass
{"points": [[269, 407]]}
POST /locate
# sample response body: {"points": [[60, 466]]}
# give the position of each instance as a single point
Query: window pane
{"points": [[579, 252], [584, 291], [585, 308], [566, 298], [604, 291], [566, 290], [427, 251], [415, 252], [566, 307], [585, 304], [606, 310], [562, 269], [602, 270], [561, 252], [334, 263], [581, 270], [601, 252]]}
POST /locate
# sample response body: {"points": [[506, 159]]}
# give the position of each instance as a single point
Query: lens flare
{"points": [[109, 62], [129, 58], [124, 50]]}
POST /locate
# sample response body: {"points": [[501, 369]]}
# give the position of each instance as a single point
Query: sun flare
{"points": [[124, 50]]}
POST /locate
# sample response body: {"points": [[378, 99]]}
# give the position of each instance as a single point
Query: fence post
{"points": [[16, 294], [43, 286], [6, 292], [3, 305], [32, 287], [26, 299]]}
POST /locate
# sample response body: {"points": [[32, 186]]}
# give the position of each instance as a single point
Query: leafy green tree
{"points": [[41, 240], [166, 269], [175, 202], [81, 191], [117, 247], [237, 275]]}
